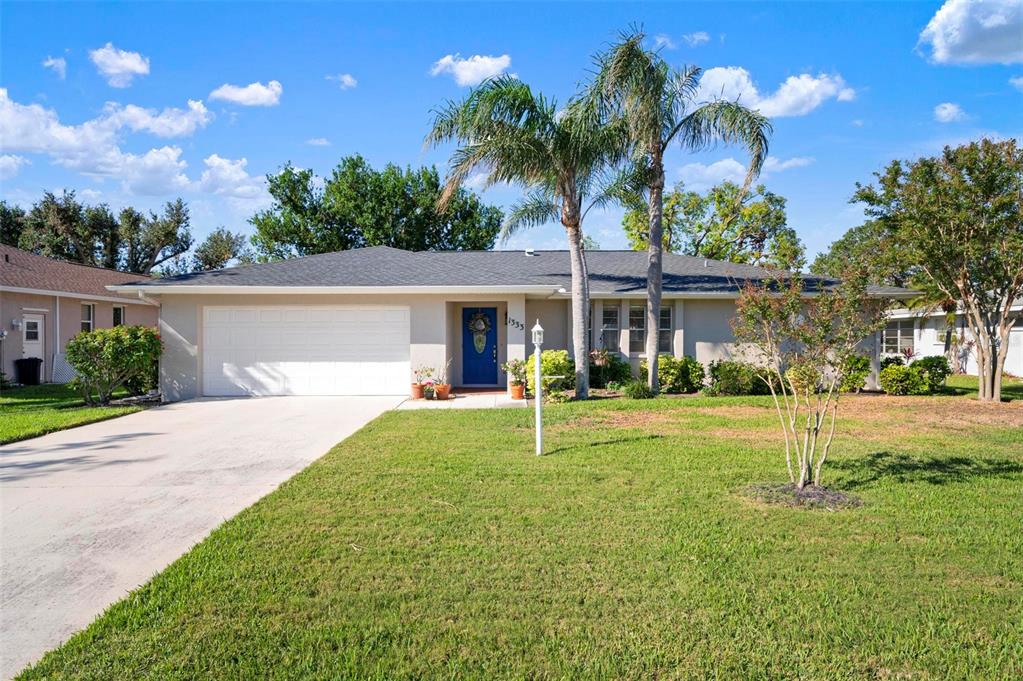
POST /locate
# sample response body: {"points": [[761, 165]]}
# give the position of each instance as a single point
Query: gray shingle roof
{"points": [[611, 272]]}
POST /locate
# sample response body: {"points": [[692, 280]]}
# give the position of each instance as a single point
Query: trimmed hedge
{"points": [[106, 359], [735, 378], [552, 363], [898, 379], [856, 370], [676, 375], [936, 369]]}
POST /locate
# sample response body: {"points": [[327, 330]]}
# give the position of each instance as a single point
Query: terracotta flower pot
{"points": [[442, 391], [518, 391], [417, 391]]}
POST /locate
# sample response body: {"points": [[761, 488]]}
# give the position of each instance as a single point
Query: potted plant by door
{"points": [[422, 375], [441, 387], [516, 370]]}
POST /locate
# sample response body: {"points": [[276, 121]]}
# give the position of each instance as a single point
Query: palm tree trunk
{"points": [[655, 251], [580, 312]]}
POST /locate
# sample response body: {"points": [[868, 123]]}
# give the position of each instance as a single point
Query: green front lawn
{"points": [[433, 544], [39, 409], [1012, 387]]}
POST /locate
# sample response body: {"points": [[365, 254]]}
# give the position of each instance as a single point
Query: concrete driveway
{"points": [[90, 513]]}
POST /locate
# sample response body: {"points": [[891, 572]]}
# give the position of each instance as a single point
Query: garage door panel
{"points": [[312, 350]]}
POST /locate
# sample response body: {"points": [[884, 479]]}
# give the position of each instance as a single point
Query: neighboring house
{"points": [[357, 322], [45, 302], [930, 334]]}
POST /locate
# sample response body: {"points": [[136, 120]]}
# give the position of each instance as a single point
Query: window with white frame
{"points": [[897, 337], [664, 330], [609, 328], [88, 316], [118, 315], [637, 328]]}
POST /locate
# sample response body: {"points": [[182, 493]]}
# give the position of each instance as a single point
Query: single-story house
{"points": [[359, 322], [930, 333], [45, 302]]}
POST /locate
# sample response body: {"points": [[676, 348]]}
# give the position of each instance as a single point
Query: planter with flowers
{"points": [[422, 375], [441, 387], [516, 370]]}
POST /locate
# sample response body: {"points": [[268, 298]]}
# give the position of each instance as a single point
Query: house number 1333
{"points": [[514, 323]]}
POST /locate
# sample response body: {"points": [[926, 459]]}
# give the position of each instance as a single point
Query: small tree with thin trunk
{"points": [[805, 333]]}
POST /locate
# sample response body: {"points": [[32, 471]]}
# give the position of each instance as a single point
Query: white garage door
{"points": [[314, 350]]}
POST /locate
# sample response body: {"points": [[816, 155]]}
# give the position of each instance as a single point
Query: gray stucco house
{"points": [[358, 322]]}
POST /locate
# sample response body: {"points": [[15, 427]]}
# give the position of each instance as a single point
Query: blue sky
{"points": [[135, 104]]}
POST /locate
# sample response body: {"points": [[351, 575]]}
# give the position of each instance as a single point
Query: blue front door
{"points": [[479, 345]]}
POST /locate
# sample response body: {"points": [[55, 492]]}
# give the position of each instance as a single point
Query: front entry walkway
{"points": [[88, 514]]}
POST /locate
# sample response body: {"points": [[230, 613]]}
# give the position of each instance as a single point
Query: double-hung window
{"points": [[637, 328], [898, 336], [118, 315], [88, 316], [609, 328]]}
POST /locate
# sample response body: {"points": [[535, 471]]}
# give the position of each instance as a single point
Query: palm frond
{"points": [[538, 207], [731, 123]]}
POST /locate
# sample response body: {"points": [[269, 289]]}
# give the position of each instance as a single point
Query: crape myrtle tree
{"points": [[560, 156], [804, 338], [959, 218], [661, 108]]}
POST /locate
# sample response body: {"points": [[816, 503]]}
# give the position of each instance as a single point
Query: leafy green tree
{"points": [[659, 104], [102, 225], [959, 219], [12, 223], [871, 248], [727, 223], [360, 206], [219, 249], [153, 240], [557, 155], [57, 228]]}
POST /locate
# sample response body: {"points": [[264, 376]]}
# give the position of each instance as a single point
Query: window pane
{"points": [[637, 328], [609, 329], [86, 313], [118, 316], [664, 341], [665, 321], [32, 331]]}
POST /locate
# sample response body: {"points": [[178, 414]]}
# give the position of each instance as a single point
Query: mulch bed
{"points": [[811, 496]]}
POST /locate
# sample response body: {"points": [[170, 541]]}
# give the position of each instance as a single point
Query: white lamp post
{"points": [[537, 389]]}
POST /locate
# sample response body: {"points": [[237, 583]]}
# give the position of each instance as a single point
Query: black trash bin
{"points": [[27, 370]]}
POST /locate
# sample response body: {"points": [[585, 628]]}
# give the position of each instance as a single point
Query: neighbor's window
{"points": [[637, 328], [664, 330], [898, 336], [118, 315], [88, 312], [609, 328]]}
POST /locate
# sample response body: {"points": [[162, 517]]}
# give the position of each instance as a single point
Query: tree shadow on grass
{"points": [[935, 470], [602, 443]]}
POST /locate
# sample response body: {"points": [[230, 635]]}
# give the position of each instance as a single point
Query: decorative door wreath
{"points": [[479, 325]]}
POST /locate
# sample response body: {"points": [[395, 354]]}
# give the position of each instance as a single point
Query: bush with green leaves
{"points": [[728, 377], [637, 390], [106, 359], [856, 368], [556, 368], [936, 369], [892, 360], [608, 367], [613, 386], [898, 379], [677, 375]]}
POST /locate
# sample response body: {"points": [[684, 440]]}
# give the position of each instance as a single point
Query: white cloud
{"points": [[345, 81], [156, 172], [972, 32], [700, 176], [947, 112], [471, 71], [170, 122], [227, 177], [797, 96], [118, 66], [58, 65], [857, 122], [10, 165], [696, 39], [253, 94], [34, 129], [1017, 82], [665, 41], [318, 142], [476, 182]]}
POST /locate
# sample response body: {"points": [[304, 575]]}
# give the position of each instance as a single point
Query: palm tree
{"points": [[557, 155], [659, 106]]}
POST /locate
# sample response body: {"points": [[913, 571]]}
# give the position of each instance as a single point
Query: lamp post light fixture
{"points": [[537, 388]]}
